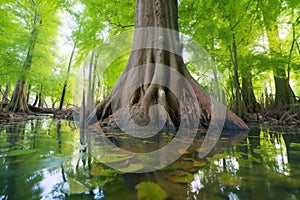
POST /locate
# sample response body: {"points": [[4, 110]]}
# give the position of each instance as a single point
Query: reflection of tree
{"points": [[265, 147], [15, 132], [292, 153], [59, 141], [257, 168], [18, 183], [175, 178], [273, 151], [36, 150]]}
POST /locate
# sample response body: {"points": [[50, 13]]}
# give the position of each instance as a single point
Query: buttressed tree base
{"points": [[160, 14]]}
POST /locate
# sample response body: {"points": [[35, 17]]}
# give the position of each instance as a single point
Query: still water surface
{"points": [[43, 159]]}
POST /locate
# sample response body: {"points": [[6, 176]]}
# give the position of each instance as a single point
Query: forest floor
{"points": [[66, 114], [284, 119], [274, 118]]}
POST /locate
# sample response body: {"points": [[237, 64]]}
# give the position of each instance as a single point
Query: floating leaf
{"points": [[215, 157], [150, 191], [229, 180], [210, 159], [147, 142], [188, 159], [21, 152], [219, 156], [199, 163], [146, 159], [111, 158], [181, 177], [183, 151], [297, 145], [76, 187], [123, 137], [132, 167], [98, 170], [240, 144], [169, 167]]}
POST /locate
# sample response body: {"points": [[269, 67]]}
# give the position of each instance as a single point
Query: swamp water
{"points": [[43, 159]]}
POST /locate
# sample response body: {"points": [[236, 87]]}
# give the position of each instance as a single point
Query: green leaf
{"points": [[99, 170], [216, 157], [181, 177], [111, 158], [296, 145], [132, 167], [150, 191], [76, 187]]}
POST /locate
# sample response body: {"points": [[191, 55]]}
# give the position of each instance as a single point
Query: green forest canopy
{"points": [[255, 46]]}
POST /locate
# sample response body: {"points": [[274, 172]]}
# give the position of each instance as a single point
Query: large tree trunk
{"points": [[284, 95], [248, 95], [145, 68], [18, 101]]}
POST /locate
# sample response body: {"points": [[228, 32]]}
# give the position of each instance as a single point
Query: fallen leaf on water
{"points": [[150, 191], [183, 151]]}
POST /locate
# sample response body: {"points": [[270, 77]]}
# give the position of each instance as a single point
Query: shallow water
{"points": [[43, 159]]}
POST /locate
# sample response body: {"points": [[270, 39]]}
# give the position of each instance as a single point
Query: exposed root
{"points": [[141, 101]]}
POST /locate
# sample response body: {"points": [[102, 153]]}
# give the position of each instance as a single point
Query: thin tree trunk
{"points": [[66, 82], [28, 93], [291, 51], [82, 115], [94, 79], [90, 95], [5, 100], [36, 100], [214, 67], [238, 102], [41, 99]]}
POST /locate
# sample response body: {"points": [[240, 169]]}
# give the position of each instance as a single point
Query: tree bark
{"points": [[5, 100], [66, 82], [28, 93], [90, 92], [284, 95], [36, 100], [248, 95], [238, 99], [41, 98], [158, 14], [18, 101]]}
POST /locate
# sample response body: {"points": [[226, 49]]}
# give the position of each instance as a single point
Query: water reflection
{"points": [[43, 159], [258, 168], [30, 157]]}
